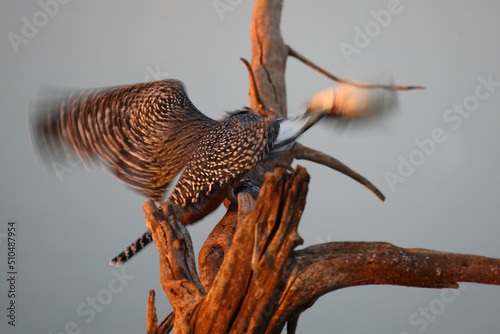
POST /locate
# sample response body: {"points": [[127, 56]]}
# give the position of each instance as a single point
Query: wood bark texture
{"points": [[257, 281], [252, 279]]}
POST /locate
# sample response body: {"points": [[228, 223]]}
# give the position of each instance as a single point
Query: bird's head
{"points": [[347, 101]]}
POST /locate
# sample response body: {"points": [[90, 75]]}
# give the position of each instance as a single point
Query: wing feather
{"points": [[143, 134]]}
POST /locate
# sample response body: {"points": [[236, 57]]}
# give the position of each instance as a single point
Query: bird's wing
{"points": [[142, 133], [222, 157]]}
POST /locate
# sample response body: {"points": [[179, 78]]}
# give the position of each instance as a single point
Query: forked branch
{"points": [[254, 281], [260, 282]]}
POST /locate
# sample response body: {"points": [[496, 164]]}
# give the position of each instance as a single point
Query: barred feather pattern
{"points": [[133, 249], [143, 134], [227, 152]]}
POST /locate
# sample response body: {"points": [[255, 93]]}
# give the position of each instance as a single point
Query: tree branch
{"points": [[253, 87], [215, 248], [259, 282], [151, 320], [256, 281], [178, 275], [258, 256], [332, 266], [269, 54], [300, 151], [309, 63]]}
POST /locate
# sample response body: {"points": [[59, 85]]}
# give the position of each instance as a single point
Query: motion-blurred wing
{"points": [[143, 134]]}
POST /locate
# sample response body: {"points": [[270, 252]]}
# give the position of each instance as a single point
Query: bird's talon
{"points": [[232, 196]]}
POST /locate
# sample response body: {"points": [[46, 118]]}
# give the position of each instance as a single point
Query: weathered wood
{"points": [[295, 54], [275, 220], [331, 266], [263, 282], [178, 275], [255, 266], [215, 247], [252, 278], [269, 55], [257, 257], [151, 320], [218, 242]]}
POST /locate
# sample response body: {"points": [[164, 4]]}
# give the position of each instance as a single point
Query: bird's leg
{"points": [[285, 166], [245, 185], [231, 196]]}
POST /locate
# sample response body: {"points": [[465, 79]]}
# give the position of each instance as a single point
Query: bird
{"points": [[146, 134]]}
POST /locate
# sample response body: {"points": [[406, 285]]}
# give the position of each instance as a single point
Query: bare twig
{"points": [[167, 324], [309, 63], [291, 325], [253, 87], [303, 152]]}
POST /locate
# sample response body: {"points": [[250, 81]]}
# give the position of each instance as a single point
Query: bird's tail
{"points": [[131, 250]]}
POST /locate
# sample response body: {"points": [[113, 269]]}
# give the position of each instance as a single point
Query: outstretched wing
{"points": [[143, 134]]}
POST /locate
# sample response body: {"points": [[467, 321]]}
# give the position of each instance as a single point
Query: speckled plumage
{"points": [[146, 134], [224, 155], [227, 151], [143, 133]]}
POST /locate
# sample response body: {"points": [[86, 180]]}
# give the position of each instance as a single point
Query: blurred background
{"points": [[442, 190]]}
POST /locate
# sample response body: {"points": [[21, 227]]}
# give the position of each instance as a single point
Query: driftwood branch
{"points": [[215, 247], [252, 278], [254, 264], [300, 151], [151, 320], [383, 263], [327, 267], [269, 54], [178, 275], [258, 281]]}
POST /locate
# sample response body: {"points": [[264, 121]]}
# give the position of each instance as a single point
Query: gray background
{"points": [[69, 230]]}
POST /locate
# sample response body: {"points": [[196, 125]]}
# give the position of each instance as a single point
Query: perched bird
{"points": [[146, 134]]}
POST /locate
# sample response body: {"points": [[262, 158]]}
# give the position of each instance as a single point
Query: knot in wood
{"points": [[179, 243]]}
